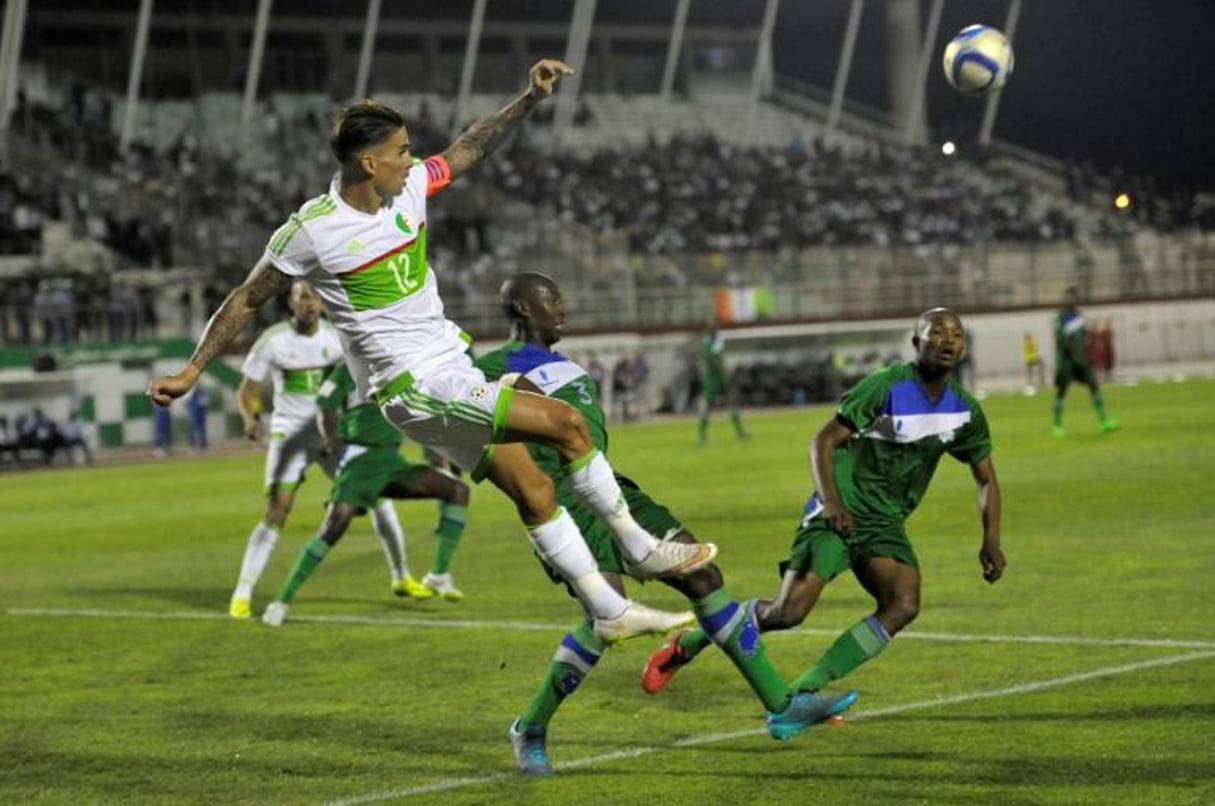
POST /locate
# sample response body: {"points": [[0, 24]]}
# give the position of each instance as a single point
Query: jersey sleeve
{"points": [[258, 361], [291, 250], [863, 403], [336, 388], [438, 174], [973, 442]]}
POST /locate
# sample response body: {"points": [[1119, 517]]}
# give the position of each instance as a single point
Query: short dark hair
{"points": [[517, 287], [361, 125]]}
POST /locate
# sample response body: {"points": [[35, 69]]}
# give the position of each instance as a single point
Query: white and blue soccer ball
{"points": [[978, 60]]}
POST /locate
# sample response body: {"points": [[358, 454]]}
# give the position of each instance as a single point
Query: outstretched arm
{"points": [[822, 467], [488, 133], [991, 556], [262, 284]]}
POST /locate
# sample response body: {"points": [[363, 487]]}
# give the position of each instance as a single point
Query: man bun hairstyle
{"points": [[360, 126]]}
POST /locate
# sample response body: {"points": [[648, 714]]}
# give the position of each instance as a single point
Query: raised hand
{"points": [[544, 75]]}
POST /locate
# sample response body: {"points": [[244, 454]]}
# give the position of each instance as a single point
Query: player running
{"points": [[362, 246], [715, 384], [872, 463], [1072, 364], [295, 356], [536, 310], [372, 470]]}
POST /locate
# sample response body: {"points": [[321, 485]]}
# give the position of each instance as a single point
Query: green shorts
{"points": [[363, 476], [1068, 371], [651, 515], [822, 551]]}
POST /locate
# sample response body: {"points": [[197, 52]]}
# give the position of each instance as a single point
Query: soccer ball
{"points": [[978, 60]]}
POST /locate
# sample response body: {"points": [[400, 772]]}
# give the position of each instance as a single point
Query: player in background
{"points": [[371, 471], [362, 246], [872, 463], [295, 356], [536, 310], [715, 384], [1035, 369], [1072, 364]]}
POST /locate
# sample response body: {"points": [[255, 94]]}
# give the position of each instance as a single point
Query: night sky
{"points": [[1122, 83]]}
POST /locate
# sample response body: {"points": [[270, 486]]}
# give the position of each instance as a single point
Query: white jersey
{"points": [[371, 271], [297, 364]]}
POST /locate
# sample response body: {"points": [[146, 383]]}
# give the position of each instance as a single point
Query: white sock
{"points": [[596, 485], [257, 554], [392, 538], [562, 546]]}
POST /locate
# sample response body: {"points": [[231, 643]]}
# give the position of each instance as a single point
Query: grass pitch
{"points": [[1084, 676]]}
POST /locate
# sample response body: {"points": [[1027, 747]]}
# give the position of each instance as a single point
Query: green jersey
{"points": [[1071, 337], [361, 423], [711, 348], [557, 377], [883, 471]]}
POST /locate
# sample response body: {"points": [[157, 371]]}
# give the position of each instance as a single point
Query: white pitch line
{"points": [[1022, 688], [535, 626]]}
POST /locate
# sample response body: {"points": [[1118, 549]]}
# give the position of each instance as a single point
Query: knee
{"points": [[575, 434]]}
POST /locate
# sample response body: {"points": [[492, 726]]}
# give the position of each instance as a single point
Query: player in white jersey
{"points": [[294, 356], [362, 246]]}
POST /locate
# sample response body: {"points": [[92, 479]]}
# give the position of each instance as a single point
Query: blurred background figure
{"points": [[1035, 370], [196, 417]]}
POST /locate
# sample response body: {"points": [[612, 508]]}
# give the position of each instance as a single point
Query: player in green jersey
{"points": [[872, 463], [715, 384], [1072, 364], [536, 310], [372, 468]]}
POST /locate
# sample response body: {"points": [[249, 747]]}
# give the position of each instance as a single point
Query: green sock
{"points": [[702, 428], [306, 561], [1099, 406], [862, 641], [693, 641], [1056, 411], [452, 518], [577, 654], [736, 419], [732, 627]]}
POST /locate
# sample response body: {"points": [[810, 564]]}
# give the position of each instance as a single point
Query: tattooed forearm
{"points": [[261, 285], [487, 134]]}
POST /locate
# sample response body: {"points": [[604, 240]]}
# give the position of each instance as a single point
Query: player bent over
{"points": [[371, 470], [872, 463], [536, 310], [362, 246]]}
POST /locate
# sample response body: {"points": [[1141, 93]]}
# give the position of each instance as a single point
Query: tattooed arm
{"points": [[262, 284], [488, 133]]}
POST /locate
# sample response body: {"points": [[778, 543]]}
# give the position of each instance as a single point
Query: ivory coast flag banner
{"points": [[735, 305]]}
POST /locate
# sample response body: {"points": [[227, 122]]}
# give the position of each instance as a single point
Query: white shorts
{"points": [[288, 456], [453, 410]]}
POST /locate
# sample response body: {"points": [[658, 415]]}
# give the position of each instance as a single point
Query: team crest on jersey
{"points": [[479, 393], [404, 224], [354, 246]]}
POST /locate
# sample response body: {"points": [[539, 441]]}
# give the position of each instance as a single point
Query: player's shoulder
{"points": [[272, 334]]}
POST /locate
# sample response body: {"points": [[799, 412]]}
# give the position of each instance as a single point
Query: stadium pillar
{"points": [[993, 100], [845, 65], [575, 54], [761, 75], [912, 128], [139, 49], [676, 45], [254, 73], [470, 61], [366, 50], [10, 56]]}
